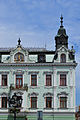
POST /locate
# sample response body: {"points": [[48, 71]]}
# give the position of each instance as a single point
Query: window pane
{"points": [[48, 102], [33, 80], [4, 102], [63, 102], [63, 58], [48, 80], [63, 79], [19, 80], [4, 80], [33, 102]]}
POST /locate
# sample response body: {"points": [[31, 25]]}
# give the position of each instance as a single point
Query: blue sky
{"points": [[36, 22]]}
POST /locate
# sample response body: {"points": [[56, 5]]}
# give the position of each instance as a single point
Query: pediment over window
{"points": [[62, 94], [20, 55], [63, 55], [48, 94], [4, 94], [33, 94]]}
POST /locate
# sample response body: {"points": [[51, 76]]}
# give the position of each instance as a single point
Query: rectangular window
{"points": [[4, 102], [48, 102], [48, 80], [33, 80], [33, 102], [63, 102], [4, 80], [19, 81], [63, 80]]}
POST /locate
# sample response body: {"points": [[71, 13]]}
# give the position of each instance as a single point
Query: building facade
{"points": [[45, 80]]}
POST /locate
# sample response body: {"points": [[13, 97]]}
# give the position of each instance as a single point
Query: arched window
{"points": [[63, 58], [19, 57]]}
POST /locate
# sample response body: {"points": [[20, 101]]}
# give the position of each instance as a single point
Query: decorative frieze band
{"points": [[4, 72], [33, 72], [47, 72]]}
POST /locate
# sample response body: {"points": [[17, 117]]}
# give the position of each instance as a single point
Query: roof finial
{"points": [[19, 41], [61, 20]]}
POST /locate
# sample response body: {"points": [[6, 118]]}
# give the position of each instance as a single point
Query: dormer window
{"points": [[63, 58], [19, 57]]}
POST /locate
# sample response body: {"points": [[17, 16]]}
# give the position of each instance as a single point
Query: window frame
{"points": [[63, 59], [63, 82], [33, 102], [48, 83], [19, 86], [49, 103], [63, 102], [2, 103], [6, 80], [36, 80]]}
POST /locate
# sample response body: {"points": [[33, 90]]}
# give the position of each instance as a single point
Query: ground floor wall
{"points": [[48, 116]]}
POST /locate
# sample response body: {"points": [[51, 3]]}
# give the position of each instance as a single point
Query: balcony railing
{"points": [[19, 87]]}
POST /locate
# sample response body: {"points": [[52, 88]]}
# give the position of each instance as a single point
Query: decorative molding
{"points": [[61, 72], [4, 72], [18, 72], [48, 94], [47, 72], [63, 94], [4, 94], [33, 72], [39, 64], [33, 94]]}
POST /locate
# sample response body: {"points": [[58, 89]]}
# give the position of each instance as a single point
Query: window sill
{"points": [[48, 86], [48, 108], [33, 108], [33, 87], [3, 108], [63, 108], [4, 87], [63, 86]]}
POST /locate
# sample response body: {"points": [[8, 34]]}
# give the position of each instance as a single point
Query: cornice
{"points": [[38, 64]]}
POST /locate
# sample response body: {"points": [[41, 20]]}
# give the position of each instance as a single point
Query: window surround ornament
{"points": [[4, 94], [48, 72], [62, 94], [48, 94], [18, 72], [4, 72], [33, 72], [33, 94]]}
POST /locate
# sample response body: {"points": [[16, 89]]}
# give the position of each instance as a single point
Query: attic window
{"points": [[63, 58], [19, 57]]}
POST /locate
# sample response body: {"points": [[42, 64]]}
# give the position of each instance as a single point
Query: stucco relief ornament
{"points": [[19, 57]]}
